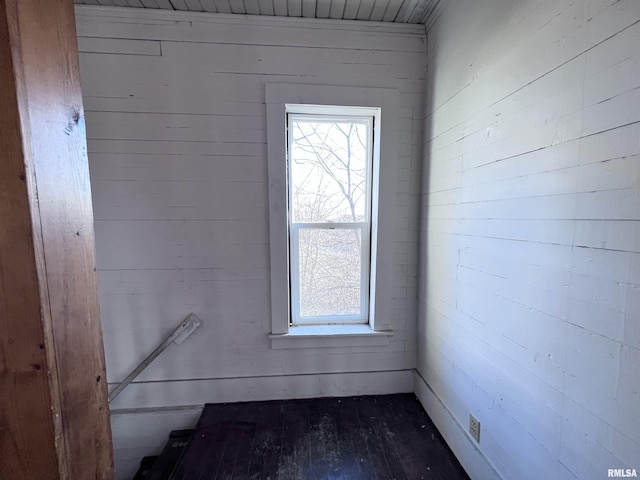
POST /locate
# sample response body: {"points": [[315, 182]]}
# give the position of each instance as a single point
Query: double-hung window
{"points": [[330, 156], [332, 168]]}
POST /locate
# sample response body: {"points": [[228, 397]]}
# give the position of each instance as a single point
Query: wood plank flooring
{"points": [[368, 438]]}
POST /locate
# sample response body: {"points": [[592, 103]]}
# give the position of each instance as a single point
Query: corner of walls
{"points": [[470, 457]]}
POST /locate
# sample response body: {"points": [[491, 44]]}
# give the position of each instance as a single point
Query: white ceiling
{"points": [[399, 11]]}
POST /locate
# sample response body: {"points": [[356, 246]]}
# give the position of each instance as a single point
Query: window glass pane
{"points": [[329, 162], [330, 266]]}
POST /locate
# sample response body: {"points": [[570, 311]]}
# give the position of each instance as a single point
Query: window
{"points": [[330, 153], [331, 166]]}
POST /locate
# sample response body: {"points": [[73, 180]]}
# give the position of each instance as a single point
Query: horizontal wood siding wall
{"points": [[530, 274], [177, 149]]}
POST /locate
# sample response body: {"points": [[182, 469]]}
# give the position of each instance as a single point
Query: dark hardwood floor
{"points": [[372, 437]]}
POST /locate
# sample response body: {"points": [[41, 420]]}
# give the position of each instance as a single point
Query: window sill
{"points": [[324, 336]]}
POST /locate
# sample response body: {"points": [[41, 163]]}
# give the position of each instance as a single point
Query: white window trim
{"points": [[378, 331]]}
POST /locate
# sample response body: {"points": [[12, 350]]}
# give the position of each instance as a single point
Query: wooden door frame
{"points": [[54, 415]]}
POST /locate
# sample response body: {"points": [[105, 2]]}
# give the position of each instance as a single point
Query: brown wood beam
{"points": [[54, 419]]}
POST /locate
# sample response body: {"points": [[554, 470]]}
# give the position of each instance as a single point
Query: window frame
{"points": [[297, 112], [277, 97]]}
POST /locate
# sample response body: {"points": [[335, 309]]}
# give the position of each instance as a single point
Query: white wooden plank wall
{"points": [[530, 279], [176, 135]]}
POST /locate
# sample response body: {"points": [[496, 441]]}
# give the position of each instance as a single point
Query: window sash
{"points": [[332, 118], [365, 259]]}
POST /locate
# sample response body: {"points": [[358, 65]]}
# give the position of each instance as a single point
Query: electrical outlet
{"points": [[474, 428]]}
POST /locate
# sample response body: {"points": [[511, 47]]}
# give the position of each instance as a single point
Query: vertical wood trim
{"points": [[27, 430], [51, 333]]}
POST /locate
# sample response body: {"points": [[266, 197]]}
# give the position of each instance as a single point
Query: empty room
{"points": [[319, 239]]}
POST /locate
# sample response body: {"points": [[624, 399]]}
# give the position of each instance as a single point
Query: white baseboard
{"points": [[472, 459], [221, 390]]}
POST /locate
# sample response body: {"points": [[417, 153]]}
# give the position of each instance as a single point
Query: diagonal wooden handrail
{"points": [[179, 335]]}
